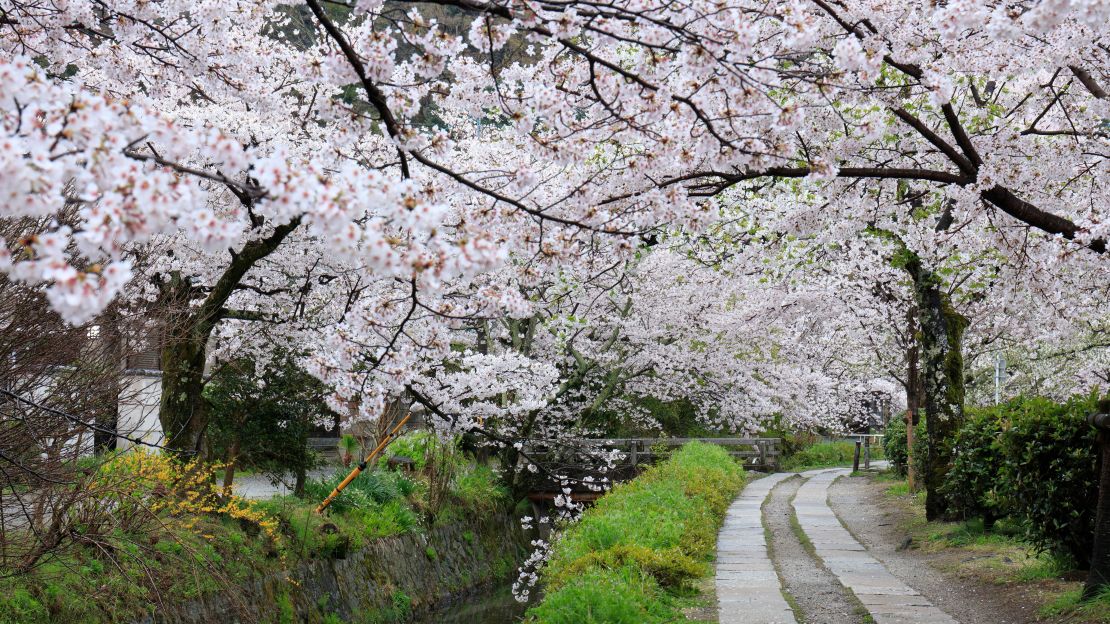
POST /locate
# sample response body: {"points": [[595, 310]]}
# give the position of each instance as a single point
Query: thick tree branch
{"points": [[1011, 204], [960, 134], [1088, 81], [209, 312], [955, 156]]}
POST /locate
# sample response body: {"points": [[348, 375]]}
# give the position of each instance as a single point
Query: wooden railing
{"points": [[755, 453]]}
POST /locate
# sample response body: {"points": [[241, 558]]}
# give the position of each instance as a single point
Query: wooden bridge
{"points": [[569, 457]]}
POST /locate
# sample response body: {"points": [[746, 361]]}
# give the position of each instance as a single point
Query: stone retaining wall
{"points": [[391, 580]]}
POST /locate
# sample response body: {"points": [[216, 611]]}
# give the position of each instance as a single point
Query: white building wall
{"points": [[138, 409]]}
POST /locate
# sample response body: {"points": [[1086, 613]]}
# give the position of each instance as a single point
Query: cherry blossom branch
{"points": [[539, 214], [373, 93], [247, 189]]}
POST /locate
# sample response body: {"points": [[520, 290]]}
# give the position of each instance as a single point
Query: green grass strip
{"points": [[639, 549]]}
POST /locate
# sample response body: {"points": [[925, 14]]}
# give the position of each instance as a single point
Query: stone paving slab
{"points": [[748, 588], [887, 598]]}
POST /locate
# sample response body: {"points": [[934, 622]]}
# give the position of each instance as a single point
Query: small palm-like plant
{"points": [[348, 446]]}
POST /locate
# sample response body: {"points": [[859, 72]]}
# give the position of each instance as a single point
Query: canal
{"points": [[495, 607]]}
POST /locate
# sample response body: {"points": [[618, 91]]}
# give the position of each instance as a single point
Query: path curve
{"points": [[874, 519], [750, 591], [819, 598], [886, 597]]}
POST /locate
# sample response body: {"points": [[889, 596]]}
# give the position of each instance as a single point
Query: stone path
{"points": [[750, 592], [818, 596], [887, 599]]}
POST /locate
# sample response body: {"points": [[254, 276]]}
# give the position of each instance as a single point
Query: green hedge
{"points": [[630, 554], [973, 482], [1035, 461]]}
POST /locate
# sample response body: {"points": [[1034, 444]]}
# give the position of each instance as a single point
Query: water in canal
{"points": [[496, 607]]}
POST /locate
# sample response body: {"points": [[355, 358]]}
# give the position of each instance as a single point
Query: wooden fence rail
{"points": [[755, 453]]}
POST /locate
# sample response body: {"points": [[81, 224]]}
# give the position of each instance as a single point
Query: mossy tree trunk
{"points": [[940, 331], [1098, 577], [185, 344], [913, 394]]}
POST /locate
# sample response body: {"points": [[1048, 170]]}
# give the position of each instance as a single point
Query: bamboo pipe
{"points": [[362, 466]]}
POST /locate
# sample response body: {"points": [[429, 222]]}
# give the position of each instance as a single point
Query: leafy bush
{"points": [[1049, 474], [1035, 461], [158, 483], [972, 483], [371, 489], [645, 538], [414, 445], [392, 518], [479, 490], [262, 415]]}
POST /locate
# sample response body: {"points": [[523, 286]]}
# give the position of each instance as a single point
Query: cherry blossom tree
{"points": [[370, 178]]}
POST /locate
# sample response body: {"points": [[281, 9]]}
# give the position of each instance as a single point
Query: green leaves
{"points": [[1035, 461]]}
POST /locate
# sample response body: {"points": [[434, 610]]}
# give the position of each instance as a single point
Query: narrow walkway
{"points": [[748, 589], [888, 599], [819, 598]]}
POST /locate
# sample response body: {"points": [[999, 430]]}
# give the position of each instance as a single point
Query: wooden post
{"points": [[855, 457], [911, 477], [633, 454], [762, 446], [867, 453]]}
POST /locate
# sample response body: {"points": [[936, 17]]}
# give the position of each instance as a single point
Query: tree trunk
{"points": [[941, 337], [1098, 577], [913, 396], [231, 462], [298, 486], [183, 415], [182, 410]]}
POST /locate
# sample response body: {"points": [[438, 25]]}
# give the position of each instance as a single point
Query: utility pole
{"points": [[999, 377]]}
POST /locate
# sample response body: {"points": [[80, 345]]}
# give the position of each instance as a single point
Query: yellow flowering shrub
{"points": [[155, 483]]}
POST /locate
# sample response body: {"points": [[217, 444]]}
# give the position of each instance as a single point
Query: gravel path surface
{"points": [[260, 486], [862, 506], [816, 592], [887, 597]]}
